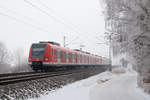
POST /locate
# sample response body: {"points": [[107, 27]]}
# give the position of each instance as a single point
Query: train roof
{"points": [[57, 45], [51, 42]]}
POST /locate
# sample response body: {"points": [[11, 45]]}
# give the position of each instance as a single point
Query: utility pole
{"points": [[110, 42], [110, 47], [81, 46], [71, 42], [64, 41]]}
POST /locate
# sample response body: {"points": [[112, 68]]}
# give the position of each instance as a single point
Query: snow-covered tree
{"points": [[4, 54], [20, 61], [130, 20], [5, 58]]}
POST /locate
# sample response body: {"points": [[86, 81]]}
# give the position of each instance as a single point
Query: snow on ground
{"points": [[105, 86]]}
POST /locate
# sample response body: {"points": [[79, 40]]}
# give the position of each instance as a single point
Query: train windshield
{"points": [[38, 50]]}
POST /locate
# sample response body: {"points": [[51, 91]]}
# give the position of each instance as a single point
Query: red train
{"points": [[47, 56]]}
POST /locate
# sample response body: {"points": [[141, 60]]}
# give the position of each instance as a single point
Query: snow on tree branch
{"points": [[131, 20]]}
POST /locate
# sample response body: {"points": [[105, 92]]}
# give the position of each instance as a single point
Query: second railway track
{"points": [[28, 76]]}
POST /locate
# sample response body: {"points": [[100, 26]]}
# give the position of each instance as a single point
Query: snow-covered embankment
{"points": [[105, 86]]}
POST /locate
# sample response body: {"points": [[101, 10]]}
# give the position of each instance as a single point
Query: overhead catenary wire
{"points": [[54, 18], [58, 15], [72, 41], [61, 17], [20, 14], [35, 26], [21, 21], [51, 11], [24, 17], [49, 15]]}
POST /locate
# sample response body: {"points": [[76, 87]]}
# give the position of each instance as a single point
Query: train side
{"points": [[46, 56]]}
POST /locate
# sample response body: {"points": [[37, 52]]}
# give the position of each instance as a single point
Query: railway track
{"points": [[13, 78]]}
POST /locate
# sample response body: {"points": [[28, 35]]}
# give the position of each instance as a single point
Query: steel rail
{"points": [[14, 74], [17, 79]]}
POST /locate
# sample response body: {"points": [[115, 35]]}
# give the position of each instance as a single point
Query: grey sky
{"points": [[21, 24]]}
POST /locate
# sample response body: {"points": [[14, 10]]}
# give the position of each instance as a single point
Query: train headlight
{"points": [[46, 59]]}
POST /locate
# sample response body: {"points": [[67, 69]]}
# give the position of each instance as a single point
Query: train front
{"points": [[37, 56]]}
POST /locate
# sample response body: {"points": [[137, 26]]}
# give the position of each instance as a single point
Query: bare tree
{"points": [[20, 61]]}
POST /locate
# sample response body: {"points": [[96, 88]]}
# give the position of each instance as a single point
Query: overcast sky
{"points": [[21, 23]]}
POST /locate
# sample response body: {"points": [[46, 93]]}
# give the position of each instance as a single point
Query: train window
{"points": [[70, 56], [61, 54], [52, 51], [73, 57], [58, 54], [38, 50], [55, 54], [65, 56], [83, 57], [78, 57]]}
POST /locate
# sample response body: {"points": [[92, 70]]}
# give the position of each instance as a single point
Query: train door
{"points": [[62, 56], [55, 55], [73, 58], [67, 57], [101, 60], [79, 58], [59, 56], [70, 57], [76, 58], [51, 55], [88, 59]]}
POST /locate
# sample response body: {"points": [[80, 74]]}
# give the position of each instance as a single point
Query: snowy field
{"points": [[105, 86]]}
